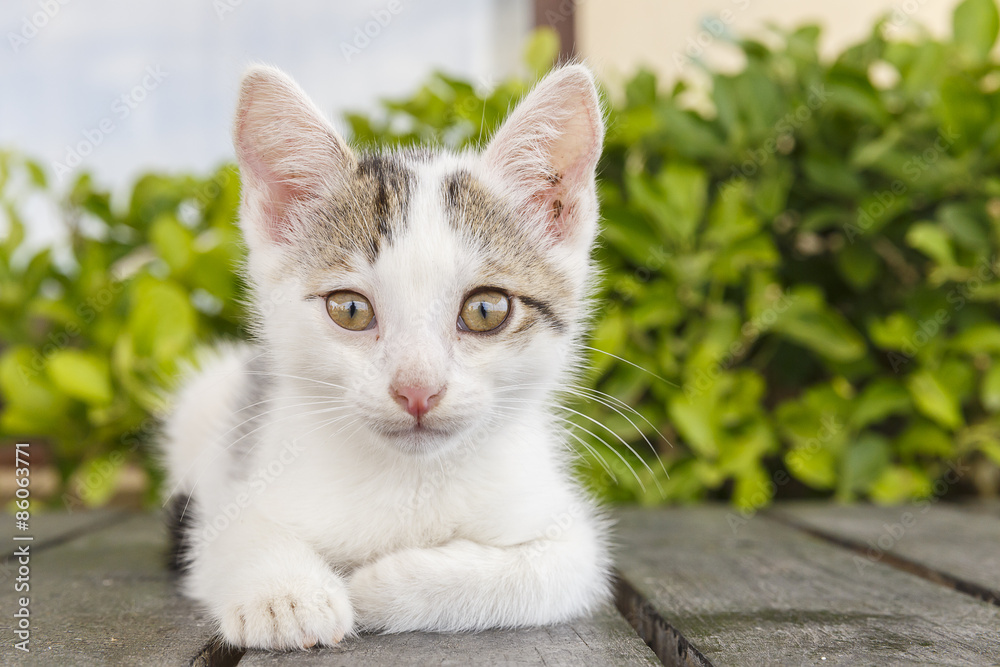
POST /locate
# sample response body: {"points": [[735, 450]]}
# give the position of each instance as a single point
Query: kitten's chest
{"points": [[355, 520]]}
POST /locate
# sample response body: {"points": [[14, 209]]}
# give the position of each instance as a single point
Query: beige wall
{"points": [[617, 36]]}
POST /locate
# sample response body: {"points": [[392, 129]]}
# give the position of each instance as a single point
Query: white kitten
{"points": [[384, 457]]}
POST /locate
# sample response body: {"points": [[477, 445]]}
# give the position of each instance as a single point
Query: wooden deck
{"points": [[795, 585]]}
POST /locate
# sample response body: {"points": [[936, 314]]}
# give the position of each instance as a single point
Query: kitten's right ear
{"points": [[288, 153]]}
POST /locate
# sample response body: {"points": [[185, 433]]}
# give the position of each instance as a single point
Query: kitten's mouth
{"points": [[416, 435], [417, 428]]}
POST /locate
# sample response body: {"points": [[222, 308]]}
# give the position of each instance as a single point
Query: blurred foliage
{"points": [[800, 295], [92, 331]]}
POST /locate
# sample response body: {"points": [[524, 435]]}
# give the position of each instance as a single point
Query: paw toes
{"points": [[290, 621]]}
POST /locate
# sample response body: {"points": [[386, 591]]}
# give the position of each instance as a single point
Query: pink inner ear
{"points": [[287, 151], [281, 195], [549, 148]]}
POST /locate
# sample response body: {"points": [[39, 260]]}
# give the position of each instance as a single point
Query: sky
{"points": [[117, 87]]}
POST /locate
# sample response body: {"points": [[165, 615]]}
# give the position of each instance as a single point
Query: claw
{"points": [[338, 636], [309, 642]]}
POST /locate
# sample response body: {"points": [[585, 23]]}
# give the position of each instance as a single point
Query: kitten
{"points": [[384, 456]]}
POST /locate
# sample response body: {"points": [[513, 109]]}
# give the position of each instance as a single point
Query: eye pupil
{"points": [[350, 310], [484, 311]]}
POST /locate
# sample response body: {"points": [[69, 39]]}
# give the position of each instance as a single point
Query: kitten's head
{"points": [[429, 293]]}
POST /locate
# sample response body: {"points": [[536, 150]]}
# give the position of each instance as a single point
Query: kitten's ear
{"points": [[288, 153], [547, 151]]}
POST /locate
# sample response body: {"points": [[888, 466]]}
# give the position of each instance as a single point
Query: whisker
{"points": [[604, 442], [593, 450], [296, 377], [603, 399], [634, 365], [629, 420], [609, 430]]}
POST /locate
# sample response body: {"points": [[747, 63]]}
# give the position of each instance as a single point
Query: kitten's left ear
{"points": [[289, 154], [547, 152]]}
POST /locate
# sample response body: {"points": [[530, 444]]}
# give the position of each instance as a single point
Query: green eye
{"points": [[350, 310], [484, 311]]}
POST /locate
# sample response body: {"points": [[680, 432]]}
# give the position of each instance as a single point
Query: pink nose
{"points": [[417, 400]]}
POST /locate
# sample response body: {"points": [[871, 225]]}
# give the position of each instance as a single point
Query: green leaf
{"points": [[753, 489], [816, 467], [895, 332], [933, 241], [692, 418], [933, 400], [880, 399], [864, 462], [96, 480], [33, 406], [990, 392], [897, 484], [978, 339], [923, 438], [162, 319], [809, 322], [173, 242], [974, 25], [81, 375]]}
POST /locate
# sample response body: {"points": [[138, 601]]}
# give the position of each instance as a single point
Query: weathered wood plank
{"points": [[962, 544], [106, 598], [987, 507], [604, 639], [759, 592]]}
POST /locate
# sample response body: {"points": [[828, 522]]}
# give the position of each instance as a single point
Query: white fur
{"points": [[325, 527]]}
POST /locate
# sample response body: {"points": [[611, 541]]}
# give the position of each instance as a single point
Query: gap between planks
{"points": [[669, 645], [218, 653], [899, 562]]}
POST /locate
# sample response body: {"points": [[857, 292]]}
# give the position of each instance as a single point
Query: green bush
{"points": [[91, 335], [800, 260]]}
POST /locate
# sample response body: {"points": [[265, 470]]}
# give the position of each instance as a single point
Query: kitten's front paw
{"points": [[290, 616]]}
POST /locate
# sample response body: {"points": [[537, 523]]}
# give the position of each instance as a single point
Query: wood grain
{"points": [[106, 598], [958, 542], [604, 639], [756, 592]]}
